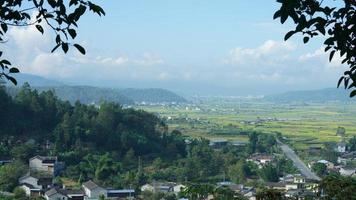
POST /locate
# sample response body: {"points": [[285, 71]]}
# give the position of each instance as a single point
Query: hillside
{"points": [[152, 95], [88, 94], [322, 95], [92, 94]]}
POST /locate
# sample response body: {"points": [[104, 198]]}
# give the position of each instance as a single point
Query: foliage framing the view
{"points": [[60, 16], [337, 24]]}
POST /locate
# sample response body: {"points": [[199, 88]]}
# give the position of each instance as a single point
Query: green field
{"points": [[304, 123]]}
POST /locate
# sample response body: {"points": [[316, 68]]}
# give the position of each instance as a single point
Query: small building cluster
{"points": [[39, 181], [295, 186], [260, 159]]}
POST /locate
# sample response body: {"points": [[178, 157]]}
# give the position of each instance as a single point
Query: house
{"points": [[218, 143], [341, 147], [63, 194], [328, 164], [120, 194], [260, 159], [237, 143], [5, 160], [35, 183], [276, 186], [93, 191], [47, 164], [30, 190], [178, 188], [158, 187], [346, 171]]}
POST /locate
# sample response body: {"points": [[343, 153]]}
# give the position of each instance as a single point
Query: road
{"points": [[304, 170]]}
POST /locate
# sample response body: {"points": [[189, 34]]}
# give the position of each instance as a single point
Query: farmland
{"points": [[230, 118]]}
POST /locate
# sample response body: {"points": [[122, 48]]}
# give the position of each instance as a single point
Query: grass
{"points": [[316, 122]]}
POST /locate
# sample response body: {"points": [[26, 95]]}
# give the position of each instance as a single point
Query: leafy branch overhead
{"points": [[59, 16], [336, 23]]}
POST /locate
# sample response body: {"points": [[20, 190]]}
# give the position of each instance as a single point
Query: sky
{"points": [[228, 47]]}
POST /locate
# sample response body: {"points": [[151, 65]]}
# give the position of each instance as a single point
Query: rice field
{"points": [[227, 117]]}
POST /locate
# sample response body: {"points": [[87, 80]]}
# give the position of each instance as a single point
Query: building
{"points": [[178, 188], [218, 143], [35, 183], [260, 159], [48, 164], [5, 160], [341, 147], [345, 171], [158, 187], [93, 191], [120, 194], [63, 194]]}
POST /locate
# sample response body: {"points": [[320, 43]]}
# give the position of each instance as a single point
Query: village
{"points": [[39, 181]]}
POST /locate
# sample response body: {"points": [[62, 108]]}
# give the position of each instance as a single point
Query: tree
{"points": [[338, 187], [319, 169], [269, 173], [352, 144], [57, 15], [19, 194], [9, 175], [336, 22], [270, 194], [340, 131]]}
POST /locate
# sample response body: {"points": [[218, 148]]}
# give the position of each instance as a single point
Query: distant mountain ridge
{"points": [[322, 95], [152, 95], [94, 95]]}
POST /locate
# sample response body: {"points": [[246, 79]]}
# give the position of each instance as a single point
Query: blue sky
{"points": [[208, 47]]}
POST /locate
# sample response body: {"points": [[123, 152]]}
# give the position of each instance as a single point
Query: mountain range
{"points": [[94, 95]]}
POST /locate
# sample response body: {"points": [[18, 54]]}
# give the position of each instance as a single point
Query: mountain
{"points": [[152, 95], [88, 94], [34, 80], [322, 95]]}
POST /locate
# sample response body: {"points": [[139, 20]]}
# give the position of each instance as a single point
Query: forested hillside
{"points": [[96, 95]]}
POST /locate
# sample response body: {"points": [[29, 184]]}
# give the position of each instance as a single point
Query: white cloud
{"points": [[30, 50], [322, 57], [270, 52]]}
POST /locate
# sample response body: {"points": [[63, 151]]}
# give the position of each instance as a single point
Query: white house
{"points": [[347, 171], [48, 164], [341, 147], [178, 188], [34, 183], [93, 191]]}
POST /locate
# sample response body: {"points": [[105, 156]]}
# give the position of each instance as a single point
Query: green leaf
{"points": [[305, 40], [80, 48], [72, 33], [12, 79], [56, 47], [52, 3], [4, 27], [331, 55], [340, 81], [39, 28], [288, 35], [6, 62], [353, 93], [65, 47], [14, 70], [277, 14]]}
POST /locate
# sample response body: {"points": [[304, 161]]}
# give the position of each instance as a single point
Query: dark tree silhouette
{"points": [[335, 20], [60, 16]]}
